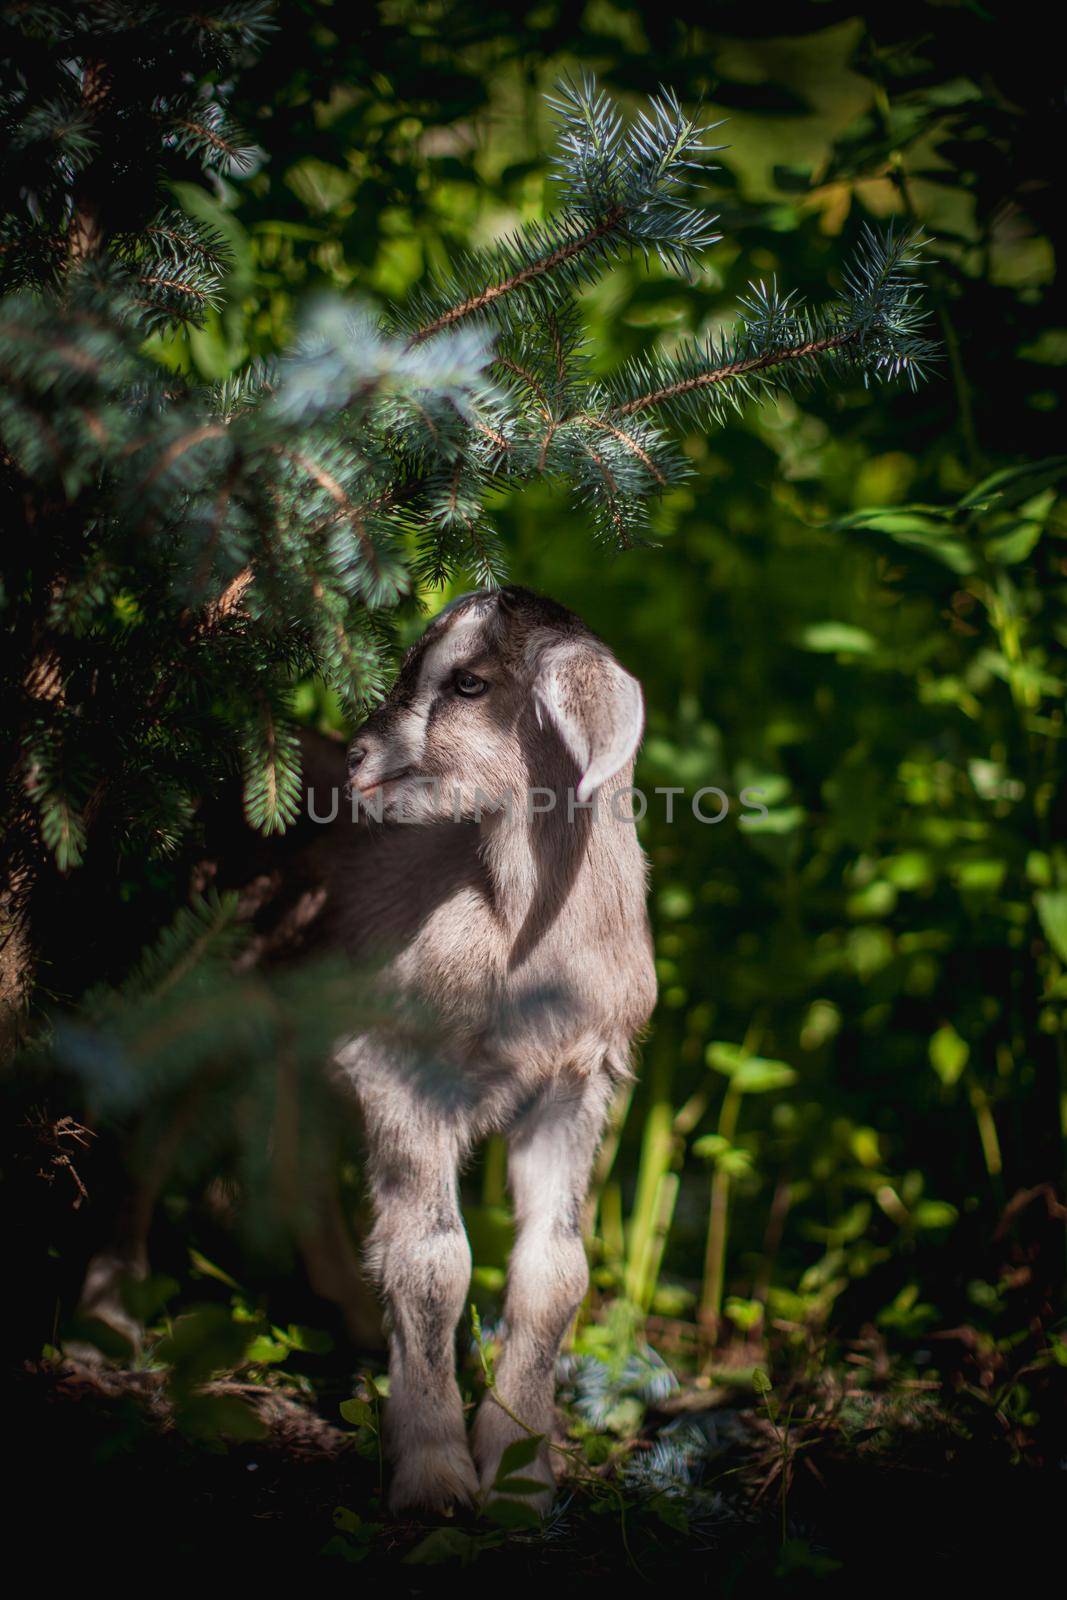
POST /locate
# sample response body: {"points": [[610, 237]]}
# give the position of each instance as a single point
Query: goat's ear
{"points": [[596, 706]]}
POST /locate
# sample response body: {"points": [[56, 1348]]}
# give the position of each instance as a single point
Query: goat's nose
{"points": [[356, 756]]}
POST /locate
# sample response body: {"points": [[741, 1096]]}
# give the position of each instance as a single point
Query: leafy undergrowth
{"points": [[800, 1465]]}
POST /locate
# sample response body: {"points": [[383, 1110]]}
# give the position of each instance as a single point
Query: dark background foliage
{"points": [[856, 605]]}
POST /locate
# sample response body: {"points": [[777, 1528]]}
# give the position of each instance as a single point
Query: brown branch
{"points": [[159, 231], [626, 439], [95, 427], [490, 433], [453, 495], [550, 434], [208, 134], [518, 280], [221, 506], [345, 507], [230, 601], [225, 605], [86, 234], [557, 345], [195, 436], [172, 283], [526, 377], [735, 369], [609, 478], [70, 352], [339, 633]]}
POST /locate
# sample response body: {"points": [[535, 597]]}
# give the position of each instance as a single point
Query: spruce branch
{"points": [[621, 193], [271, 763], [203, 930], [683, 386], [877, 328], [209, 134], [190, 551], [569, 246]]}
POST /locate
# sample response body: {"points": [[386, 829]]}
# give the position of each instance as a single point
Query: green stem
{"points": [[663, 1216], [612, 1232], [606, 1160], [494, 1172], [987, 1134], [715, 1254], [657, 1151]]}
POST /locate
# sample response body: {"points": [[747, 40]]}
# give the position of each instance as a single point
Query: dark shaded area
{"points": [[924, 1504]]}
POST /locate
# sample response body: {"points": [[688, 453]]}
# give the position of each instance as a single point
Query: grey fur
{"points": [[516, 953]]}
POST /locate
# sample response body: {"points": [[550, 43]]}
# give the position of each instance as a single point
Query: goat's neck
{"points": [[548, 865], [530, 857]]}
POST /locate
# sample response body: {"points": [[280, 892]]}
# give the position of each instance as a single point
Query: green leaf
{"points": [[450, 1544], [1012, 485], [204, 1341], [724, 1056], [838, 638], [1006, 549], [735, 1163], [519, 1454], [671, 1512], [1052, 912], [744, 1314], [358, 1413], [201, 1264], [749, 1074], [266, 1351], [948, 1054], [144, 1297], [346, 1549], [710, 1146], [757, 1075], [916, 529], [313, 1340], [211, 1416], [520, 1486], [512, 1514]]}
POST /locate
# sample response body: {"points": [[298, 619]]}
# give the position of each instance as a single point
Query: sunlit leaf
{"points": [[948, 1054], [1052, 911]]}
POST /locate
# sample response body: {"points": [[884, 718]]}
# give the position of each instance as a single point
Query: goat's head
{"points": [[505, 691]]}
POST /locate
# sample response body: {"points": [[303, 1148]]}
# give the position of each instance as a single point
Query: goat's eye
{"points": [[469, 685]]}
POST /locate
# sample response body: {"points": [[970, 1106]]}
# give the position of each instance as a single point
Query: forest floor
{"points": [[835, 1478]]}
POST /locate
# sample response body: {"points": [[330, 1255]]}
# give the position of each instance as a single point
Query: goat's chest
{"points": [[514, 985], [454, 963]]}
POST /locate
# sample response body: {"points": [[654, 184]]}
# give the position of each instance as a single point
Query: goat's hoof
{"points": [[435, 1477], [106, 1329]]}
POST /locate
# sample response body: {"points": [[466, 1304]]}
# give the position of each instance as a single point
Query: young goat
{"points": [[496, 893], [503, 892]]}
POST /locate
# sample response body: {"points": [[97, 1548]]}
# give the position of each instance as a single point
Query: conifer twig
{"points": [[733, 369], [519, 280]]}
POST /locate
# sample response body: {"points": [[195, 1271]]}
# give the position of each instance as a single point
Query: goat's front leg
{"points": [[551, 1155], [419, 1252]]}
